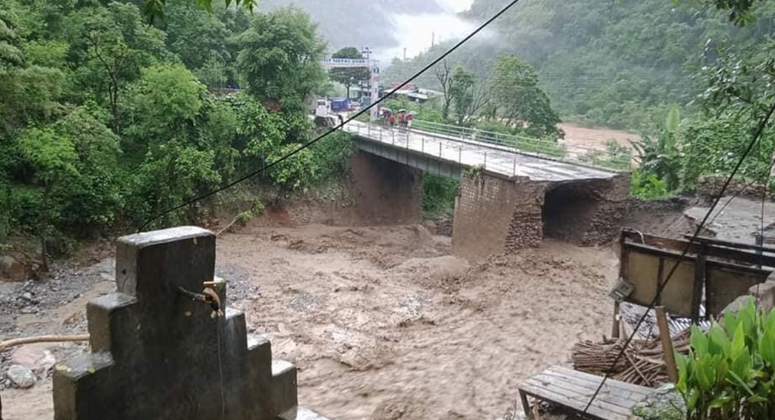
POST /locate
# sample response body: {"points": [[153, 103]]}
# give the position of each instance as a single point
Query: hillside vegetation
{"points": [[620, 64], [106, 121]]}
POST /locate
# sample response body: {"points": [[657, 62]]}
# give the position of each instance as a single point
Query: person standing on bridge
{"points": [[392, 120]]}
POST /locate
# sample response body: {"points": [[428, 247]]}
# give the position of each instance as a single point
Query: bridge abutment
{"points": [[386, 192], [585, 212], [496, 215]]}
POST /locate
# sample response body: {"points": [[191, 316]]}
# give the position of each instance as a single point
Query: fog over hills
{"points": [[386, 26]]}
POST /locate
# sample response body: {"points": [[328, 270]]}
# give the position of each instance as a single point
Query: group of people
{"points": [[404, 118]]}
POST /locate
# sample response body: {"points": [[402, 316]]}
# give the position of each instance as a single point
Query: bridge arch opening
{"points": [[568, 208]]}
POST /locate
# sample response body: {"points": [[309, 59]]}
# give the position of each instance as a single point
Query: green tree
{"points": [[10, 51], [109, 47], [462, 93], [524, 106], [662, 156], [349, 76], [54, 160], [197, 37], [280, 57], [155, 9], [89, 203], [165, 103]]}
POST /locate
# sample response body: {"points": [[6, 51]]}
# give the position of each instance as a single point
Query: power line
{"points": [[511, 4], [661, 288]]}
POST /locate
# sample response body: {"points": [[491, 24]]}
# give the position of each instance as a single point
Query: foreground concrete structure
{"points": [[156, 353]]}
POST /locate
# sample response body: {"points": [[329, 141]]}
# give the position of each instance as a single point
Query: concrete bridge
{"points": [[513, 192]]}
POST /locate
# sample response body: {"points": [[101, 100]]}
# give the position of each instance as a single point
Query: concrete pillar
{"points": [[156, 354], [386, 192]]}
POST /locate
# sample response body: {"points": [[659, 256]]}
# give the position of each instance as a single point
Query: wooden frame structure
{"points": [[713, 272]]}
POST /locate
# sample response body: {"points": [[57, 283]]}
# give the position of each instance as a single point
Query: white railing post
{"points": [[460, 155], [514, 171], [485, 160], [423, 143], [440, 153]]}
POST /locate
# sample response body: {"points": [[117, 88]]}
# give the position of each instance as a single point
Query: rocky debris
{"points": [[710, 187], [764, 293], [21, 376], [35, 357], [665, 404], [16, 266]]}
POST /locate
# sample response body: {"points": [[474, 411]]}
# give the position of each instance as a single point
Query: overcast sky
{"points": [[456, 6]]}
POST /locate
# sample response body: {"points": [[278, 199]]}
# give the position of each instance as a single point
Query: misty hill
{"points": [[619, 64], [357, 23]]}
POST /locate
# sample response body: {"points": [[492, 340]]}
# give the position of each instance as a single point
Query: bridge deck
{"points": [[468, 153]]}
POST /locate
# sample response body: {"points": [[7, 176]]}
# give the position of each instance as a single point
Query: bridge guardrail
{"points": [[554, 150], [471, 149]]}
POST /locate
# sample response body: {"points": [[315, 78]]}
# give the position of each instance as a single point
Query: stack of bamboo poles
{"points": [[642, 363]]}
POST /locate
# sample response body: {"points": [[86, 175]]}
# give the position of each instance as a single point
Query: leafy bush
{"points": [[730, 371], [331, 155], [647, 185], [438, 199]]}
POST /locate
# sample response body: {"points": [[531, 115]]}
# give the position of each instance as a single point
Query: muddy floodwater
{"points": [[383, 323]]}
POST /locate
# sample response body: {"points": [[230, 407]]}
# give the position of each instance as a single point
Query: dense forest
{"points": [[619, 64], [107, 120], [693, 78], [112, 112]]}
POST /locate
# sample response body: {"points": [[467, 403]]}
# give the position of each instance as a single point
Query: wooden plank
{"points": [[645, 391], [593, 381], [568, 391], [621, 394], [595, 410], [605, 394], [699, 283], [667, 344], [525, 405], [704, 239], [654, 250], [715, 248]]}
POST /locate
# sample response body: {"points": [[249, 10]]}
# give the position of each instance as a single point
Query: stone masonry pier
{"points": [[495, 215]]}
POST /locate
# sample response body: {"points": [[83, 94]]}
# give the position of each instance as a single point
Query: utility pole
{"points": [[433, 39], [404, 53], [367, 52], [374, 70]]}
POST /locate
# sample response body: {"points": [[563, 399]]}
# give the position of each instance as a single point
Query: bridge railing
{"points": [[424, 130], [559, 151]]}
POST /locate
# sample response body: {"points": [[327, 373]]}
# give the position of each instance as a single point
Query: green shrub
{"points": [[730, 371], [647, 185], [438, 199]]}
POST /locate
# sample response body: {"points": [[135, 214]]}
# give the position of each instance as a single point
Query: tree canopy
{"points": [[106, 120]]}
